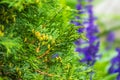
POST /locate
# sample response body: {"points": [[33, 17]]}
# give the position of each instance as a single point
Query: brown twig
{"points": [[44, 54], [44, 73]]}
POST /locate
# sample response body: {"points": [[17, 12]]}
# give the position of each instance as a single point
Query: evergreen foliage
{"points": [[36, 41]]}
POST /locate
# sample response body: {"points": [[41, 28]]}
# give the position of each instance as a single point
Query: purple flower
{"points": [[91, 34], [77, 17], [118, 77], [79, 7], [79, 42], [81, 12], [115, 65], [78, 49], [76, 23], [88, 48], [91, 29], [89, 53], [81, 30], [110, 40], [110, 37]]}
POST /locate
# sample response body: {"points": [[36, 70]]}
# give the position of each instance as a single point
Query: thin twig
{"points": [[44, 73], [44, 54]]}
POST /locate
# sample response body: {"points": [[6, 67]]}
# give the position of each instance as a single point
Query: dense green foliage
{"points": [[31, 32]]}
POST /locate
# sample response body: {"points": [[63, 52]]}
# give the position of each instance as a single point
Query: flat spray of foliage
{"points": [[36, 41]]}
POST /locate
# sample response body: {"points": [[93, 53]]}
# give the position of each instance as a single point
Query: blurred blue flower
{"points": [[115, 65], [79, 7], [81, 12], [110, 37], [110, 40], [89, 9], [78, 17], [80, 30], [76, 23], [90, 47], [118, 77], [79, 42], [91, 34], [90, 53], [91, 28]]}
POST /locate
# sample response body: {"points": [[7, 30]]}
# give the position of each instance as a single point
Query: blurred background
{"points": [[108, 17], [108, 13]]}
